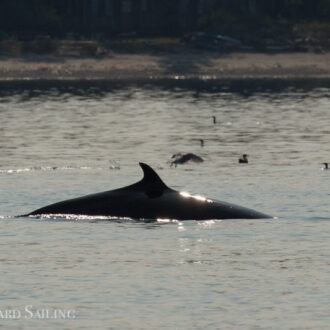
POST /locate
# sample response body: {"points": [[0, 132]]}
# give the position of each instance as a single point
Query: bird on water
{"points": [[180, 158], [243, 160]]}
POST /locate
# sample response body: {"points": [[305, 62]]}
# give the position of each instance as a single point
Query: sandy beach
{"points": [[189, 65]]}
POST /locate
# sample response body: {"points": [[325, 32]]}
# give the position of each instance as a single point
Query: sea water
{"points": [[59, 142]]}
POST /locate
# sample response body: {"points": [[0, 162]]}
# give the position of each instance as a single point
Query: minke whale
{"points": [[149, 199]]}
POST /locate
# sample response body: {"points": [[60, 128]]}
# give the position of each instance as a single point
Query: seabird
{"points": [[243, 160], [180, 158]]}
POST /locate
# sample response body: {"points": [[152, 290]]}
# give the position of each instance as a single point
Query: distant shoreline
{"points": [[197, 65]]}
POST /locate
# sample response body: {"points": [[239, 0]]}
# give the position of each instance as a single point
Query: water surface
{"points": [[62, 142]]}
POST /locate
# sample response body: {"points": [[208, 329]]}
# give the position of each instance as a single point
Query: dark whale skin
{"points": [[149, 199]]}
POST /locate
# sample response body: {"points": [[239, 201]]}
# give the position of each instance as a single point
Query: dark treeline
{"points": [[244, 19]]}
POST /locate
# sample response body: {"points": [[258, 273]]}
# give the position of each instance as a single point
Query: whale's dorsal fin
{"points": [[151, 183]]}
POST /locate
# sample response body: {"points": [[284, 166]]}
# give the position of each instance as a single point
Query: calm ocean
{"points": [[66, 140]]}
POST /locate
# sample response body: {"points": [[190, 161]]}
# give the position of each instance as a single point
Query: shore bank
{"points": [[185, 65]]}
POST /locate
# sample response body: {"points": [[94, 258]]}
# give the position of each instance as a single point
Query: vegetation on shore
{"points": [[38, 27], [46, 46]]}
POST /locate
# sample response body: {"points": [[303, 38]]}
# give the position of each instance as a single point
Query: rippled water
{"points": [[66, 141]]}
